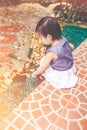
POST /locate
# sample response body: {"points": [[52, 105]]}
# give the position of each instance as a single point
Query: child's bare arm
{"points": [[71, 46], [45, 64]]}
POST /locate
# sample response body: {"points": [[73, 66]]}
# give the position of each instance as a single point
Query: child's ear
{"points": [[49, 36]]}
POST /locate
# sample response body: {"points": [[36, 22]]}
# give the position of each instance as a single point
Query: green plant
{"points": [[71, 13]]}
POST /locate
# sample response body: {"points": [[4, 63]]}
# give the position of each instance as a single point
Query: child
{"points": [[57, 66]]}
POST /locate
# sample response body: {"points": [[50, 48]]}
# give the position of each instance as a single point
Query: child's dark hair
{"points": [[49, 25]]}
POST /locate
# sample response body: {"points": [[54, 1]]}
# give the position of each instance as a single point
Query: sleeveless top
{"points": [[65, 58]]}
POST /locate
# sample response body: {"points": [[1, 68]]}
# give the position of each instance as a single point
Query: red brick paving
{"points": [[7, 38], [11, 28], [47, 108]]}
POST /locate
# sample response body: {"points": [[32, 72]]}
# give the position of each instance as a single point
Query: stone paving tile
{"points": [[7, 38], [47, 108]]}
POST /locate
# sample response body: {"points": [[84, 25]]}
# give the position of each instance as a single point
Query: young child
{"points": [[57, 65]]}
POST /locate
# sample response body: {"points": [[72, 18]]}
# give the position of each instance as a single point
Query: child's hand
{"points": [[71, 46], [40, 77]]}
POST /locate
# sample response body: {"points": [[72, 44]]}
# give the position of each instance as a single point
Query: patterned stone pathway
{"points": [[7, 38], [47, 108]]}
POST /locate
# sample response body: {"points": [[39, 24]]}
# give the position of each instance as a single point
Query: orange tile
{"points": [[50, 87], [55, 105], [34, 105], [83, 71], [86, 78], [83, 111], [80, 75], [26, 115], [55, 96], [83, 66], [19, 122], [84, 106], [29, 98], [43, 123], [25, 106], [45, 101], [62, 123], [46, 109], [3, 125], [52, 117], [43, 84], [78, 62], [57, 92], [82, 88], [11, 128], [45, 92], [71, 105], [73, 125], [74, 100], [36, 114], [73, 114], [37, 96], [84, 124], [82, 98], [63, 102], [11, 116], [67, 97], [63, 112], [29, 127], [66, 90]]}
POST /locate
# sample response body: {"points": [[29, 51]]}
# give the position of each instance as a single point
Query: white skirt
{"points": [[60, 79]]}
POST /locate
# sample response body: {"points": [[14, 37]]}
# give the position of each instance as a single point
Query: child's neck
{"points": [[55, 42]]}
